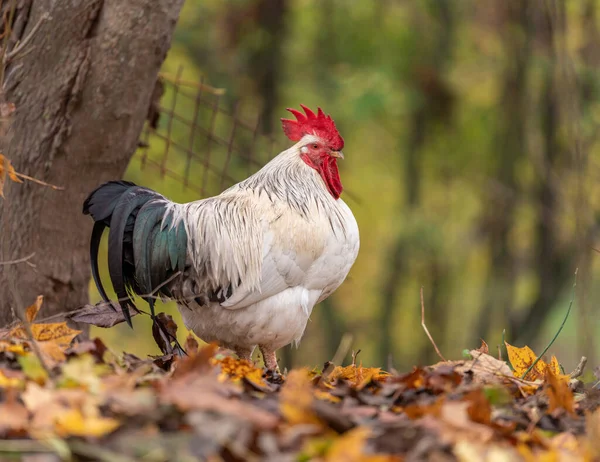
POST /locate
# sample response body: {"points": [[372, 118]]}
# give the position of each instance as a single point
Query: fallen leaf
{"points": [[203, 392], [417, 410], [296, 398], [521, 360], [52, 339], [8, 346], [13, 415], [357, 376], [75, 423], [194, 363], [484, 369], [32, 310], [191, 344], [484, 348], [479, 409], [240, 369], [33, 369], [350, 447], [11, 378], [82, 371], [164, 341], [101, 315], [559, 394]]}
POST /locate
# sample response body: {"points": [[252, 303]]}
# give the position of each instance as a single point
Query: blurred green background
{"points": [[471, 164]]}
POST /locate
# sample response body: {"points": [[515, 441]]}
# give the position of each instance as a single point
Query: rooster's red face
{"points": [[323, 144], [318, 155]]}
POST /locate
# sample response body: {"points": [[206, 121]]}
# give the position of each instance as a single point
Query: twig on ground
{"points": [[578, 371], [354, 356], [18, 260], [338, 357], [424, 326], [557, 332]]}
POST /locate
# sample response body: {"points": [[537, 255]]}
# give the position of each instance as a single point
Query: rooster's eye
{"points": [[315, 146]]}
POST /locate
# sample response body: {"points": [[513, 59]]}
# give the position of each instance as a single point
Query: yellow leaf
{"points": [[33, 310], [74, 423], [237, 369], [83, 371], [52, 339], [32, 368], [350, 447], [357, 376], [522, 358], [10, 382], [17, 348], [326, 396], [296, 398], [7, 168]]}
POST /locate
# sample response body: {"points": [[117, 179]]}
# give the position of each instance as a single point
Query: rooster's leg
{"points": [[269, 358], [244, 353]]}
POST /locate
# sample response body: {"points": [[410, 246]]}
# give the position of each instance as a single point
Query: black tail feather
{"points": [[145, 245], [94, 246], [129, 201]]}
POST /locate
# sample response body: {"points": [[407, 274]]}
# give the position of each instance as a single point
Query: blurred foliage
{"points": [[471, 147]]}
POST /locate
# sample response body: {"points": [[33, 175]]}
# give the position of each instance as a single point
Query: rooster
{"points": [[245, 267]]}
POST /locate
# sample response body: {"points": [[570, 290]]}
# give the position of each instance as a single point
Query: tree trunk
{"points": [[81, 92]]}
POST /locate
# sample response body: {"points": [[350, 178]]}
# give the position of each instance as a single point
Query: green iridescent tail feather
{"points": [[146, 244]]}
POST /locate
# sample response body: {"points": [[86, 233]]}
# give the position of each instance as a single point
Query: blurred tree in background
{"points": [[471, 165]]}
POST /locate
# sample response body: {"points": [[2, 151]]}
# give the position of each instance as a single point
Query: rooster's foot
{"points": [[244, 353], [273, 376], [272, 373]]}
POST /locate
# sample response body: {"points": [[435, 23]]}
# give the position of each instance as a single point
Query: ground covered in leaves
{"points": [[66, 400]]}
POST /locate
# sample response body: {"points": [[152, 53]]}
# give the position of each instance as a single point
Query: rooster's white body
{"points": [[288, 253]]}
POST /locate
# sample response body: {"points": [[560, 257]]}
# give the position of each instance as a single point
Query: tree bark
{"points": [[81, 91]]}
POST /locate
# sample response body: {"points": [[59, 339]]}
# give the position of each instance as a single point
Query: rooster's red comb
{"points": [[318, 124]]}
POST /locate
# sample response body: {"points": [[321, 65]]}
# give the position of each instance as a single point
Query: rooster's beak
{"points": [[338, 154]]}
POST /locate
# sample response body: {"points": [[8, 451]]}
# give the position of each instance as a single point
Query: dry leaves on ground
{"points": [[208, 405]]}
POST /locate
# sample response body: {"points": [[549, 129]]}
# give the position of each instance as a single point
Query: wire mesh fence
{"points": [[196, 138]]}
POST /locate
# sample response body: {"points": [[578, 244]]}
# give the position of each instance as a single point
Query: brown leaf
{"points": [[479, 409], [33, 310], [101, 315], [357, 376], [203, 392], [418, 410], [350, 447], [296, 398], [170, 326], [13, 415], [559, 394], [414, 379], [199, 362], [484, 348], [485, 369], [191, 344]]}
